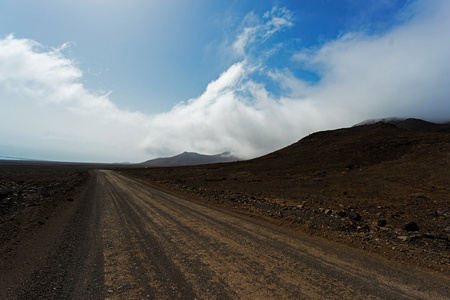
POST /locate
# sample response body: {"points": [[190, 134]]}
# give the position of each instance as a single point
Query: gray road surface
{"points": [[131, 241]]}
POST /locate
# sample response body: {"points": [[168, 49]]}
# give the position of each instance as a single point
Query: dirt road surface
{"points": [[128, 240]]}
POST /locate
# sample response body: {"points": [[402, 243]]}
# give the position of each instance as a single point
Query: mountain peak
{"points": [[190, 158]]}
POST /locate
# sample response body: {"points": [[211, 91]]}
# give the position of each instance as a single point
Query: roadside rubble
{"points": [[377, 232]]}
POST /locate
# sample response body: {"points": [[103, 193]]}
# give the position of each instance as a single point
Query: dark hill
{"points": [[349, 148], [412, 124], [421, 125], [189, 159]]}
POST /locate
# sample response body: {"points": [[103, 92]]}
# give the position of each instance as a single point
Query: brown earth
{"points": [[31, 193], [360, 186], [123, 239], [37, 199]]}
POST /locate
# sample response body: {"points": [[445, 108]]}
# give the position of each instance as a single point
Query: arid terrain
{"points": [[367, 186], [36, 201], [367, 197]]}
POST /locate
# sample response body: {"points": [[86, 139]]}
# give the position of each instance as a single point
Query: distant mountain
{"points": [[421, 125], [190, 159], [412, 124], [361, 145]]}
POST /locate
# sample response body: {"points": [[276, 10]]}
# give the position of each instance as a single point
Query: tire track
{"points": [[183, 250]]}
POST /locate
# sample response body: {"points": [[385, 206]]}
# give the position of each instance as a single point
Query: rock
{"points": [[363, 228], [411, 226], [428, 235], [381, 223], [444, 234], [416, 237], [341, 214], [403, 238], [354, 216], [419, 195]]}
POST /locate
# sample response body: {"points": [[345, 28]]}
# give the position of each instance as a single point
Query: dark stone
{"points": [[381, 223], [354, 216], [341, 214], [428, 235], [411, 226], [364, 228], [69, 199]]}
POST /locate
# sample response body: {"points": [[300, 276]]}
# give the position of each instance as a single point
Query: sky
{"points": [[128, 81]]}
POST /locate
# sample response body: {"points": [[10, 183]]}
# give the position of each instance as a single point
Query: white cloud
{"points": [[402, 72], [45, 107], [260, 30], [238, 115]]}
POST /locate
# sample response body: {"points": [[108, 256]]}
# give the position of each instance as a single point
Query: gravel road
{"points": [[128, 240]]}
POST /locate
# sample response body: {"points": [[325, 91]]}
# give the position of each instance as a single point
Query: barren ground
{"points": [[120, 238]]}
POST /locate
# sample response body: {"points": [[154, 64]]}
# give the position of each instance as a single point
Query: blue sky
{"points": [[133, 80]]}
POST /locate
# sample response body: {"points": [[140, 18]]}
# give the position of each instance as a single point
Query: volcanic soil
{"points": [[36, 200], [377, 187]]}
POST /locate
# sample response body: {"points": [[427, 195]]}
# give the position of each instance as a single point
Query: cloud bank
{"points": [[401, 72], [45, 108]]}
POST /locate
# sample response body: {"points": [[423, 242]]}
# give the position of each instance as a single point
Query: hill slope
{"points": [[348, 148], [411, 123], [421, 125]]}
